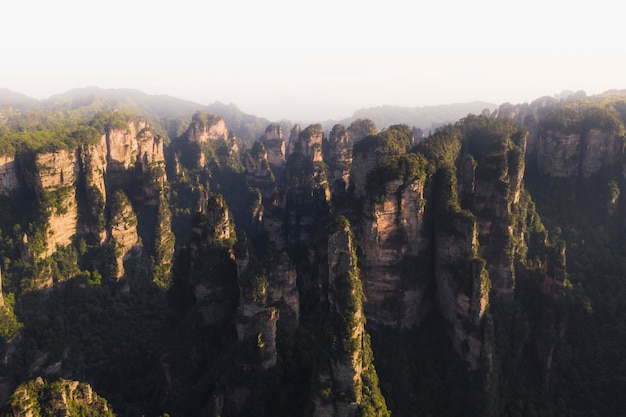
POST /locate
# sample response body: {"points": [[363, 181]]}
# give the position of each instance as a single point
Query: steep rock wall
{"points": [[202, 131], [56, 182], [463, 285], [258, 172], [94, 168], [309, 143], [122, 147], [338, 157], [490, 188], [347, 383], [212, 274], [293, 138], [8, 176], [275, 145], [362, 164], [122, 235], [392, 231], [564, 155]]}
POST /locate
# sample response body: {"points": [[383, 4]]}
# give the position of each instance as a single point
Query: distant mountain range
{"points": [[173, 113], [426, 118], [16, 100]]}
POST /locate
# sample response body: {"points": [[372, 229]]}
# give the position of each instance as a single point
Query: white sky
{"points": [[315, 60]]}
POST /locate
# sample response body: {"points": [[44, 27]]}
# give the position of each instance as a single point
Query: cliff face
{"points": [[56, 169], [309, 143], [339, 158], [122, 146], [56, 182], [305, 184], [346, 370], [362, 164], [463, 285], [563, 155], [393, 231], [212, 272], [491, 187], [8, 177], [93, 168], [123, 237], [258, 172], [294, 136], [348, 385], [274, 145], [206, 129]]}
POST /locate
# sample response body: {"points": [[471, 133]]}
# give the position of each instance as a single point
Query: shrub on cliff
{"points": [[408, 167]]}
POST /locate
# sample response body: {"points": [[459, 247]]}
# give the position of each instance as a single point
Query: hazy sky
{"points": [[315, 60]]}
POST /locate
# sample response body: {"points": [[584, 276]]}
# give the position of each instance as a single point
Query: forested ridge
{"points": [[173, 267]]}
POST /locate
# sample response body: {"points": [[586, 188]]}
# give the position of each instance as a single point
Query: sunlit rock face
{"points": [[56, 181], [309, 143], [392, 231], [274, 145], [122, 146], [206, 129], [8, 176], [94, 159]]}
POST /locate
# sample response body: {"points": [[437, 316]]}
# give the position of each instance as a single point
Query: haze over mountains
{"points": [[246, 126]]}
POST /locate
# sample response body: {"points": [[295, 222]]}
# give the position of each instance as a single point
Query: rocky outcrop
{"points": [[338, 157], [309, 143], [123, 237], [567, 155], [258, 172], [60, 398], [392, 234], [490, 187], [347, 384], [306, 203], [362, 164], [343, 290], [294, 137], [274, 145], [559, 154], [149, 149], [360, 129], [56, 183], [122, 147], [212, 274], [463, 285], [164, 241], [268, 305], [219, 223], [205, 128], [56, 170], [93, 158], [8, 176], [129, 145]]}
